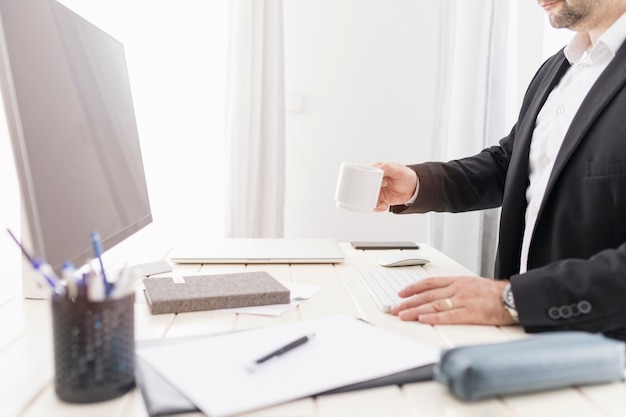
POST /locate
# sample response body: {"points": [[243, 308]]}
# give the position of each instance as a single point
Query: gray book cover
{"points": [[209, 292]]}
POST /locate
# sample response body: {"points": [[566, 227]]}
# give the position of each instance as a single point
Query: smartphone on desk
{"points": [[384, 245]]}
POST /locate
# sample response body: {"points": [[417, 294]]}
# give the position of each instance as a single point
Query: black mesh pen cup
{"points": [[94, 348]]}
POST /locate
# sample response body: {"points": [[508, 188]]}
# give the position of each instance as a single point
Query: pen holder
{"points": [[94, 348]]}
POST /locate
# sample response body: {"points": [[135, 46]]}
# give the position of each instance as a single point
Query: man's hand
{"points": [[454, 300], [399, 184]]}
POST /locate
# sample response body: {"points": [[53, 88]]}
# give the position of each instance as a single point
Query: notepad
{"points": [[162, 399], [209, 292], [344, 351]]}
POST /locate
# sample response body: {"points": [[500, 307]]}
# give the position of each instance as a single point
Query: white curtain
{"points": [[470, 116], [255, 121], [495, 121]]}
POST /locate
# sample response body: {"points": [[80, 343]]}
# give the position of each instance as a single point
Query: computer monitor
{"points": [[69, 109]]}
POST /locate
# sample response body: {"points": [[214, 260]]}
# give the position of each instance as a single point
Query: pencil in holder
{"points": [[94, 348]]}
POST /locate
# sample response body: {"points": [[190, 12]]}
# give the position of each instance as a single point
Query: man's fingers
{"points": [[424, 285], [412, 309], [433, 313]]}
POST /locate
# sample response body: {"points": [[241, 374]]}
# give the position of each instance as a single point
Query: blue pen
{"points": [[97, 249], [81, 282], [49, 276], [44, 269]]}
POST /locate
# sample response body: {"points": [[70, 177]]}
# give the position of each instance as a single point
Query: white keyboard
{"points": [[384, 284]]}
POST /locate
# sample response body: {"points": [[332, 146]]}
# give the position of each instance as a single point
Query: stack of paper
{"points": [[213, 373]]}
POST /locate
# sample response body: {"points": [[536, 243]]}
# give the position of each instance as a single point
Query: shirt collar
{"points": [[610, 40]]}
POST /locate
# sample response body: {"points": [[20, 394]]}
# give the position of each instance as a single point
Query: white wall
{"points": [[361, 78]]}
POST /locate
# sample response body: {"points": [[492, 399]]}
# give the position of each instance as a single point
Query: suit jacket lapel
{"points": [[514, 201]]}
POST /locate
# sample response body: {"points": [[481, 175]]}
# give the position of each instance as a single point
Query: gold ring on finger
{"points": [[448, 303]]}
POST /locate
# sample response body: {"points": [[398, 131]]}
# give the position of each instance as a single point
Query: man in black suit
{"points": [[560, 178]]}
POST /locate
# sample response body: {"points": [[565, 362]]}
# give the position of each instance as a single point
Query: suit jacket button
{"points": [[565, 311], [554, 313], [584, 307]]}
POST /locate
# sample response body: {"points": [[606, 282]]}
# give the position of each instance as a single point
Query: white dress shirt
{"points": [[587, 63]]}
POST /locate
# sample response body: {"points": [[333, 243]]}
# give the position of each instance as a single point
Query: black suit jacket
{"points": [[577, 258]]}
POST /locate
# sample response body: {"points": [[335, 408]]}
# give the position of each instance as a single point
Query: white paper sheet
{"points": [[299, 293], [211, 372]]}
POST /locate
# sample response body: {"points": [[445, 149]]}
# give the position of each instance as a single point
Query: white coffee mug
{"points": [[358, 187]]}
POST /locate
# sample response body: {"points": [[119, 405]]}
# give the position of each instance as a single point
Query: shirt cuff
{"points": [[412, 199]]}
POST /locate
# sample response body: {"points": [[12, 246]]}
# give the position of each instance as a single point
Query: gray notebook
{"points": [[210, 292]]}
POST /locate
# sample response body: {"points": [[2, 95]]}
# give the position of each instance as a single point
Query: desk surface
{"points": [[26, 363]]}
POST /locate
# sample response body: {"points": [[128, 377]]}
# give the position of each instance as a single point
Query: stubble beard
{"points": [[567, 17]]}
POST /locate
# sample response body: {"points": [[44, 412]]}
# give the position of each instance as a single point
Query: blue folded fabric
{"points": [[536, 363]]}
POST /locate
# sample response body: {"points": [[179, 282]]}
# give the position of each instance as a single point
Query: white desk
{"points": [[26, 363]]}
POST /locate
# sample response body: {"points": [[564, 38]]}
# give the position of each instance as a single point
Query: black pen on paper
{"points": [[281, 350]]}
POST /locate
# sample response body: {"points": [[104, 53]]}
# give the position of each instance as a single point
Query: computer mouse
{"points": [[404, 258]]}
